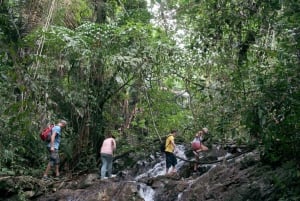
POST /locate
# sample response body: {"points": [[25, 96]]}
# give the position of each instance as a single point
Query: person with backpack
{"points": [[53, 147], [106, 151], [198, 146], [170, 147]]}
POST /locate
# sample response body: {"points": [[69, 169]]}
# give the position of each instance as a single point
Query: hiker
{"points": [[53, 147], [106, 152], [171, 160], [201, 138], [198, 146]]}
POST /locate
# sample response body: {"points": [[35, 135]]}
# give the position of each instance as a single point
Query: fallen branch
{"points": [[215, 161]]}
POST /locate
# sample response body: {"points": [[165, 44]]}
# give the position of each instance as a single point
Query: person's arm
{"points": [[114, 145], [52, 140], [173, 143]]}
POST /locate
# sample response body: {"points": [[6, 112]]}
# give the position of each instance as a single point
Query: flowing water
{"points": [[146, 192]]}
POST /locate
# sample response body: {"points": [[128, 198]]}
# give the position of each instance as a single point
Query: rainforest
{"points": [[138, 69]]}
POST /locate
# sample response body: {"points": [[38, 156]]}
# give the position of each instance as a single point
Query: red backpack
{"points": [[46, 133], [196, 145]]}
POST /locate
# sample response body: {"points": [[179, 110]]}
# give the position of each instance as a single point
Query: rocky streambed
{"points": [[238, 178]]}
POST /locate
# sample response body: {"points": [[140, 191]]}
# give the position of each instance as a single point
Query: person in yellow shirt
{"points": [[171, 160]]}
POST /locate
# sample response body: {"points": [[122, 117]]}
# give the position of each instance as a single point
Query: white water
{"points": [[146, 192], [160, 167]]}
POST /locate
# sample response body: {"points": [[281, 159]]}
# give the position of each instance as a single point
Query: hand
{"points": [[51, 148]]}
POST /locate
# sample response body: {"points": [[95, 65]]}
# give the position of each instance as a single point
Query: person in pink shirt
{"points": [[106, 151]]}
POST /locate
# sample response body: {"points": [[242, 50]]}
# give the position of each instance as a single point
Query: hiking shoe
{"points": [[104, 178], [112, 176]]}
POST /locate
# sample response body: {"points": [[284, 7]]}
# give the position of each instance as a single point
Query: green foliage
{"points": [[133, 11], [231, 66], [276, 108], [287, 183], [72, 14]]}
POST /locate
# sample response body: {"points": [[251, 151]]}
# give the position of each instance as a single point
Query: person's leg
{"points": [[57, 170], [167, 170], [203, 147], [174, 169], [168, 162], [197, 157], [56, 159], [196, 163], [167, 167], [49, 165], [195, 167], [109, 165], [47, 169], [173, 163], [104, 166]]}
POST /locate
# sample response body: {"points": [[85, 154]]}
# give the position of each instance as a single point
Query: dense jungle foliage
{"points": [[140, 68]]}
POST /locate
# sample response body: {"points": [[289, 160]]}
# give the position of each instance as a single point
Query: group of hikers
{"points": [[106, 153], [109, 146], [170, 149]]}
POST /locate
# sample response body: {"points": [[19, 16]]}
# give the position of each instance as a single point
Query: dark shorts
{"points": [[54, 157], [171, 160]]}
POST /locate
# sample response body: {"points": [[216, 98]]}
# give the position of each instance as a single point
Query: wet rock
{"points": [[100, 190], [242, 177]]}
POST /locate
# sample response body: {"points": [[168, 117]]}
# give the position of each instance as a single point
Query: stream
{"points": [[158, 169], [145, 191], [222, 174]]}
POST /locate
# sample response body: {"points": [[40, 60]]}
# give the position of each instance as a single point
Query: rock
{"points": [[244, 178], [88, 180]]}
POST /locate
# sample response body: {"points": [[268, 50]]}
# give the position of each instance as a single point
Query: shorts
{"points": [[171, 160], [54, 157]]}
